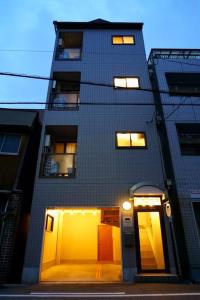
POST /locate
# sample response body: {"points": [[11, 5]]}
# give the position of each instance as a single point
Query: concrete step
{"points": [[157, 278]]}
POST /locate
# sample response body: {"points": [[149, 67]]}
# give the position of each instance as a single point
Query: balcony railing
{"points": [[58, 165], [62, 101], [69, 53]]}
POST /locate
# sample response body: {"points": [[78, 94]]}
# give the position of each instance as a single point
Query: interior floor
{"points": [[96, 272]]}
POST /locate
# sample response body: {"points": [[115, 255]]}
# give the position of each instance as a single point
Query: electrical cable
{"points": [[99, 84]]}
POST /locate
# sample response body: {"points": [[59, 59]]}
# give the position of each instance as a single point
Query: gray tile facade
{"points": [[186, 167], [104, 174]]}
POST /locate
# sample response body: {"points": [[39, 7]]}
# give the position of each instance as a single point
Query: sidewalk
{"points": [[137, 288]]}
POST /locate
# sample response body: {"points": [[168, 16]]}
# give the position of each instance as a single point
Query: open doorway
{"points": [[149, 233], [81, 245]]}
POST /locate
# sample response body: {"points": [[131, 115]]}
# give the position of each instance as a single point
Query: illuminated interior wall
{"points": [[75, 238], [116, 244], [50, 242], [80, 237], [157, 240]]}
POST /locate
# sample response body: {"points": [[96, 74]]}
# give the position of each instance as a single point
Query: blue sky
{"points": [[27, 24]]}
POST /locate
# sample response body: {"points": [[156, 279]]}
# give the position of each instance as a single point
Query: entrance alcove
{"points": [[81, 245], [149, 227]]}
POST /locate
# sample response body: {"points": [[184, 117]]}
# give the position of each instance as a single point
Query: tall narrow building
{"points": [[99, 207], [177, 72]]}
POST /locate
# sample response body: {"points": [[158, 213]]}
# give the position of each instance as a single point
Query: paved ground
{"points": [[82, 272], [102, 291]]}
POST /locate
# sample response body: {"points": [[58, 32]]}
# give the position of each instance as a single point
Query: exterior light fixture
{"points": [[126, 205]]}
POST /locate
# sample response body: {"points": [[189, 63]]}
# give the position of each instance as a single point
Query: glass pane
{"points": [[59, 148], [150, 237], [71, 147], [128, 40], [72, 100], [120, 82], [117, 40], [143, 201], [59, 165], [132, 82], [123, 140], [138, 140], [1, 140], [11, 143]]}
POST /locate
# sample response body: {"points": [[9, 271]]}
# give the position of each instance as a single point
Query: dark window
{"points": [[49, 223], [184, 83], [196, 208], [123, 40], [189, 138], [69, 46], [65, 91], [131, 140], [9, 143]]}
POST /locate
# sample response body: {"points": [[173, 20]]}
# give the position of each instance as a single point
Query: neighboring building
{"points": [[98, 211], [19, 142], [178, 71]]}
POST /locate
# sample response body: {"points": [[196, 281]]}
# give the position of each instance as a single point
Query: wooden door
{"points": [[105, 243]]}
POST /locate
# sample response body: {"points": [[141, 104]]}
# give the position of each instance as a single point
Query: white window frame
{"points": [[10, 153]]}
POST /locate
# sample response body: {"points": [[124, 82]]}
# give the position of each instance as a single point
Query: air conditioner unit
{"points": [[47, 141]]}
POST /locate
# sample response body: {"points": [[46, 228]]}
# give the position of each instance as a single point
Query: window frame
{"points": [[58, 47], [19, 146], [131, 147], [126, 88], [179, 91], [123, 35], [49, 219], [194, 216], [179, 128]]}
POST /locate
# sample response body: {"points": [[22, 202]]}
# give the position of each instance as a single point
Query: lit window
{"points": [[144, 201], [123, 40], [126, 82], [64, 147], [131, 140], [9, 143]]}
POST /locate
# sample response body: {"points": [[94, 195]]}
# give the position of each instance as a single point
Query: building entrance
{"points": [[81, 245], [149, 232]]}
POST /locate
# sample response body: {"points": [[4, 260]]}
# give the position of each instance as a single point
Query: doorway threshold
{"points": [[157, 278]]}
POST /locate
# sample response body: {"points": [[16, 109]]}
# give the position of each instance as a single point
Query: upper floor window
{"points": [[131, 140], [59, 156], [127, 82], [189, 138], [185, 83], [9, 143], [69, 45], [65, 91], [123, 40]]}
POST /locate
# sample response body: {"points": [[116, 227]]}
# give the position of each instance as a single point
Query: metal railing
{"points": [[68, 53], [64, 101], [58, 165]]}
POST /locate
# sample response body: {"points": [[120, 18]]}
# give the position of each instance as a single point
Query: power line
{"points": [[99, 84], [98, 103]]}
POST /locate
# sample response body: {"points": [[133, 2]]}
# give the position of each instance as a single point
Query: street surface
{"points": [[137, 291]]}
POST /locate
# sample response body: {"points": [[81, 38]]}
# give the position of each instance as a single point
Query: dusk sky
{"points": [[27, 25]]}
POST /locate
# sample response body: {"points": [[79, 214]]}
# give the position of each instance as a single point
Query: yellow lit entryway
{"points": [[81, 245], [149, 233]]}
